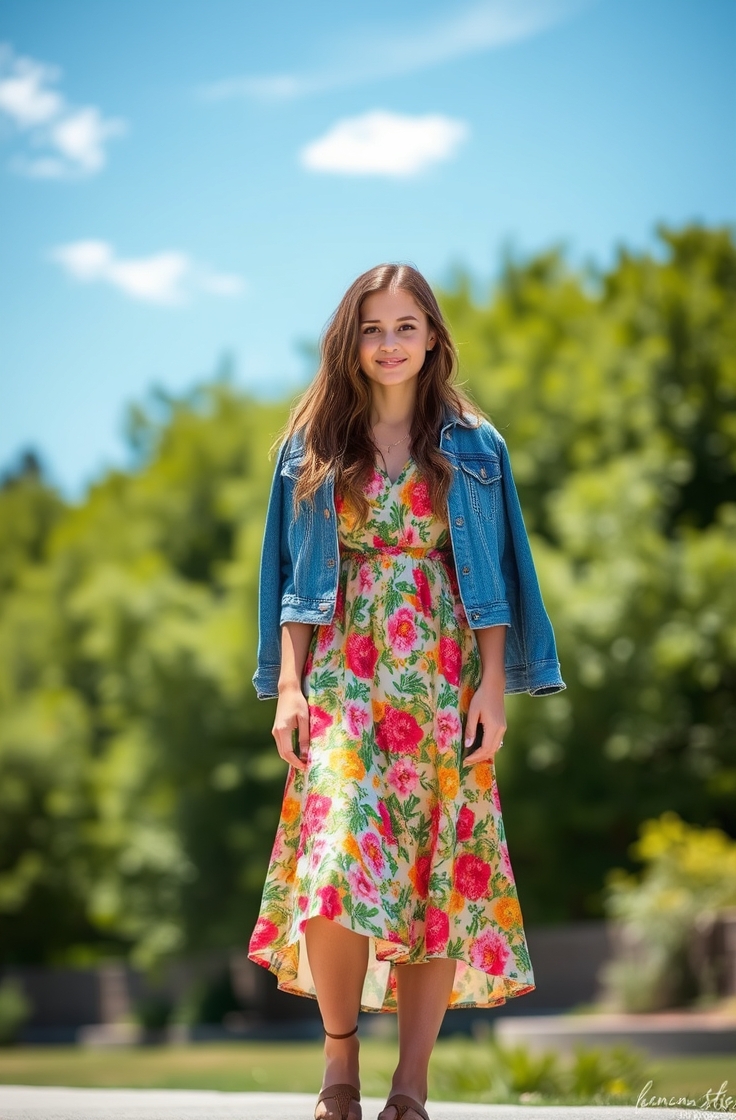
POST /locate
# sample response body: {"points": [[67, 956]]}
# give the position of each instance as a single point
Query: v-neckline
{"points": [[401, 473]]}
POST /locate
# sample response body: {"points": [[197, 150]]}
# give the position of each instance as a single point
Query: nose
{"points": [[389, 342]]}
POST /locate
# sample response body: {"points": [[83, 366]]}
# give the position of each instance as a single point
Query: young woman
{"points": [[398, 604]]}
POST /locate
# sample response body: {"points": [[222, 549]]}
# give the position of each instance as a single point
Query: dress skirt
{"points": [[388, 832]]}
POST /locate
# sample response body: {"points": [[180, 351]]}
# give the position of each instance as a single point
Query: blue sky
{"points": [[183, 180]]}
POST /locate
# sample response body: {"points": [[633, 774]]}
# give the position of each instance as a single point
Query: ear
{"points": [[430, 342]]}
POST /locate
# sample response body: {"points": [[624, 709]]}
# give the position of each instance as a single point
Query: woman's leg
{"points": [[423, 995], [338, 959]]}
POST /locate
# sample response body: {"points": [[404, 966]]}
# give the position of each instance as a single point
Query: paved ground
{"points": [[20, 1103]]}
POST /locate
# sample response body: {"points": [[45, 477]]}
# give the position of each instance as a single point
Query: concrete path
{"points": [[19, 1102]]}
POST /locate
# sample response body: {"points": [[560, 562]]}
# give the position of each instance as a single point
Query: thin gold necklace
{"points": [[388, 446]]}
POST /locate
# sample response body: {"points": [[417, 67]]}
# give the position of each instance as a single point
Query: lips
{"points": [[391, 362]]}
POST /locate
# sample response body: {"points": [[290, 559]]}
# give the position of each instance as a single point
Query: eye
{"points": [[367, 330], [409, 326]]}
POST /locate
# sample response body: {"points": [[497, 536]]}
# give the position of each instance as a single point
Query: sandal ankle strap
{"points": [[349, 1033]]}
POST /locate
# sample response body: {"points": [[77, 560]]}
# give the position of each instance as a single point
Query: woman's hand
{"points": [[292, 712], [487, 705], [486, 708]]}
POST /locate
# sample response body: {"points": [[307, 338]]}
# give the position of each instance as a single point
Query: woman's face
{"points": [[395, 336]]}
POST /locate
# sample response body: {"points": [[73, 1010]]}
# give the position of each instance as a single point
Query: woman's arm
{"points": [[292, 710], [487, 705]]}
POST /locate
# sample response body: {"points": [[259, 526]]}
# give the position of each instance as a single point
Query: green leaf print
{"points": [[412, 684], [521, 955], [446, 696], [393, 600], [357, 690], [397, 517], [355, 613], [363, 915], [455, 948], [323, 680]]}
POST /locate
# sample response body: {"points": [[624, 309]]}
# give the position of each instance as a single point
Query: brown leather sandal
{"points": [[402, 1104], [342, 1094]]}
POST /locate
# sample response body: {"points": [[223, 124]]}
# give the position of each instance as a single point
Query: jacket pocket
{"points": [[482, 477]]}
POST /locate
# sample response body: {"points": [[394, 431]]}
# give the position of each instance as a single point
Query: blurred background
{"points": [[186, 189]]}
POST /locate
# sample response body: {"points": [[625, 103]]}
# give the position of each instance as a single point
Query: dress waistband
{"points": [[443, 554]]}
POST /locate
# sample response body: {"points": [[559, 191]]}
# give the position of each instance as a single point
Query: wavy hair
{"points": [[334, 411]]}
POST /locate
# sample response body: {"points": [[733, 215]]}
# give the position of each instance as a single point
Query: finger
{"points": [[471, 728], [303, 737], [294, 760]]}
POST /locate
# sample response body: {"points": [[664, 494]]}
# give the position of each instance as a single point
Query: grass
{"points": [[296, 1067]]}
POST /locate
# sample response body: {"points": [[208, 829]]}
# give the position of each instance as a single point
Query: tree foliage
{"points": [[139, 785]]}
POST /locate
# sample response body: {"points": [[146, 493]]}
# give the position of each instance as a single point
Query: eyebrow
{"points": [[403, 319]]}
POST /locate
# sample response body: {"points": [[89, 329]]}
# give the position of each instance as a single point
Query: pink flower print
{"points": [[398, 732], [362, 885], [374, 486], [471, 876], [315, 812], [419, 498], [320, 848], [330, 902], [386, 828], [361, 655], [465, 824], [370, 846], [356, 718], [450, 660], [402, 633], [403, 777], [319, 721], [325, 637], [409, 537], [489, 952], [425, 595], [419, 875], [495, 794], [264, 933], [505, 861], [365, 577], [446, 729], [438, 930]]}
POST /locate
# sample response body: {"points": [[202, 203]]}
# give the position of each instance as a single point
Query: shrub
{"points": [[15, 1010], [689, 877]]}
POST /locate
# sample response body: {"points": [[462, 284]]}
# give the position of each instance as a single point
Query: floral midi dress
{"points": [[387, 831]]}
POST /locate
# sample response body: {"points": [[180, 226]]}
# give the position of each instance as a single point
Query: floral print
{"points": [[387, 831]]}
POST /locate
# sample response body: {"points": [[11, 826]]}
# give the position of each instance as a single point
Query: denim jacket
{"points": [[498, 584]]}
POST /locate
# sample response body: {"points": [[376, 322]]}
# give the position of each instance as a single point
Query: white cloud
{"points": [[388, 144], [483, 26], [71, 140], [169, 277]]}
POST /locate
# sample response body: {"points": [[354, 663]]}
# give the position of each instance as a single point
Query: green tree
{"points": [[617, 394]]}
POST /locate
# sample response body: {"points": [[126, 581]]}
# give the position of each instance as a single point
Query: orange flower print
{"points": [[507, 912]]}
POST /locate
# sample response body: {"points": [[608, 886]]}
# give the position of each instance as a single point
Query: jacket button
{"points": [[327, 514], [483, 472], [459, 520], [323, 606], [475, 616], [331, 563], [466, 570]]}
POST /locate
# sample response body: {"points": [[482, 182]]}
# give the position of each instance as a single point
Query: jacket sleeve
{"points": [[532, 662], [274, 574]]}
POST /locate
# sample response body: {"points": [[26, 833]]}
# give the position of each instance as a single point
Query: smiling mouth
{"points": [[391, 361]]}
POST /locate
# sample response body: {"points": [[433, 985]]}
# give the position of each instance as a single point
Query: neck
{"points": [[392, 407]]}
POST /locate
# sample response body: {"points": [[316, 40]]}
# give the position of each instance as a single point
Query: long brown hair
{"points": [[334, 411]]}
